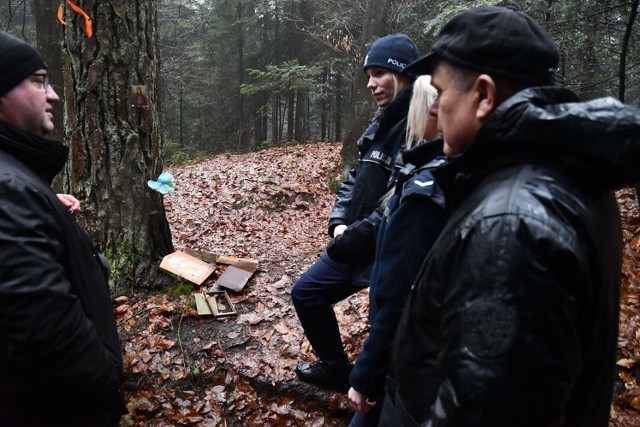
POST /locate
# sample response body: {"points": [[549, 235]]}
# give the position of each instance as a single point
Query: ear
{"points": [[486, 94]]}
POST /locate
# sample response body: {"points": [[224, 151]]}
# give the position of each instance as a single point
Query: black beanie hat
{"points": [[393, 52], [18, 60], [495, 40]]}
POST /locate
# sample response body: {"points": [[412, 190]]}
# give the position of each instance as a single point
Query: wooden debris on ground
{"points": [[217, 304], [236, 276], [186, 266], [194, 266]]}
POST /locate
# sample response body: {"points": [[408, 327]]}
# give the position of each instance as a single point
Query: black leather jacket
{"points": [[513, 318], [360, 193], [60, 357]]}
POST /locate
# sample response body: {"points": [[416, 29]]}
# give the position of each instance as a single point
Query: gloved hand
{"points": [[357, 242]]}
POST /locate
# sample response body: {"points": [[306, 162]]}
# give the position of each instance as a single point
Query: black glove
{"points": [[358, 242]]}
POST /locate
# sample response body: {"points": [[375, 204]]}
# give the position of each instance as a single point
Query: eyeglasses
{"points": [[45, 80]]}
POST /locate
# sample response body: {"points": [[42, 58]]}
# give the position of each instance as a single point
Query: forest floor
{"points": [[182, 369]]}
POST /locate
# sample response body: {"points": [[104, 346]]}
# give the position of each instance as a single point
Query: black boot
{"points": [[320, 374]]}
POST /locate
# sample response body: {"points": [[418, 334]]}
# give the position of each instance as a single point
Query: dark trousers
{"points": [[325, 283]]}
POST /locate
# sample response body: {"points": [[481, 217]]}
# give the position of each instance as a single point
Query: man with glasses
{"points": [[60, 356]]}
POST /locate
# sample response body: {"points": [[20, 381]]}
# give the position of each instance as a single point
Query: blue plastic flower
{"points": [[165, 183]]}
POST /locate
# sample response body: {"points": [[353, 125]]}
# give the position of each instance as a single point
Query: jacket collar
{"points": [[45, 157], [423, 153], [399, 107], [597, 142]]}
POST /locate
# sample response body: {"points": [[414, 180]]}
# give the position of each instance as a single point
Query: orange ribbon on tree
{"points": [[88, 26]]}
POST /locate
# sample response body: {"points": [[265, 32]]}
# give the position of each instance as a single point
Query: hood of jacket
{"points": [[596, 142], [45, 157]]}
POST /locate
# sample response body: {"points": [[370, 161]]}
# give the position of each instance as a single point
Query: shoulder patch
{"points": [[422, 184]]}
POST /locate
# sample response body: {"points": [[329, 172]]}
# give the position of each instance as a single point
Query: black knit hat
{"points": [[393, 52], [18, 60], [497, 41]]}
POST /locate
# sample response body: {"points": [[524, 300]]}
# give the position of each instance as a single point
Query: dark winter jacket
{"points": [[60, 357], [412, 221], [513, 318], [365, 184]]}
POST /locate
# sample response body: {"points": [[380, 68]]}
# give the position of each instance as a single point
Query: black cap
{"points": [[18, 60], [497, 41]]}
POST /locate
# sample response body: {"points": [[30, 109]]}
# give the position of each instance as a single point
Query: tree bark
{"points": [[115, 137], [323, 105], [291, 105], [240, 120], [338, 108], [262, 118], [275, 121], [622, 75], [300, 134]]}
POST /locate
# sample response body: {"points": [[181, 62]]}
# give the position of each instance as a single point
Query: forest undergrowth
{"points": [[183, 369]]}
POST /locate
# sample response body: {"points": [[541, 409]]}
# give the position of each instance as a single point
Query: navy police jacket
{"points": [[412, 221], [360, 192]]}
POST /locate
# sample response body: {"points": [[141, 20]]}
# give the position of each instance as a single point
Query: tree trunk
{"points": [[625, 49], [49, 32], [323, 105], [282, 112], [261, 108], [362, 106], [275, 128], [240, 120], [113, 128], [623, 64], [300, 135], [338, 108], [291, 105]]}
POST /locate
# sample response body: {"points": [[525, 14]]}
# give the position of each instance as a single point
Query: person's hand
{"points": [[339, 229], [359, 401], [69, 202]]}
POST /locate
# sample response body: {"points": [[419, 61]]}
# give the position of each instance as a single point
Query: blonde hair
{"points": [[418, 118], [422, 98], [400, 82]]}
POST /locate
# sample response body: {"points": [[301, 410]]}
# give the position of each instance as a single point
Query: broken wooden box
{"points": [[236, 275], [196, 270], [215, 303]]}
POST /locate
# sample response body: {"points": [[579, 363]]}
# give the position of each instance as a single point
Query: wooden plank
{"points": [[236, 276], [219, 259], [187, 267], [201, 304]]}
